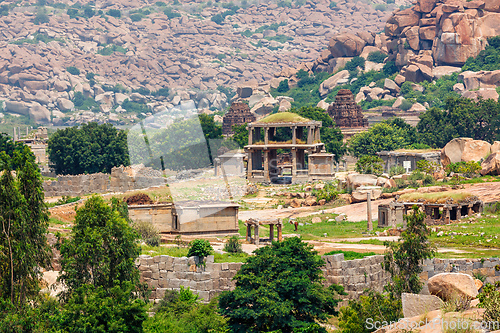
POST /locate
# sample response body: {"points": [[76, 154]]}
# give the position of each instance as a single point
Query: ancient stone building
{"points": [[345, 112], [238, 114]]}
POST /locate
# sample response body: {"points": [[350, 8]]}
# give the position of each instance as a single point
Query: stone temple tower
{"points": [[345, 112]]}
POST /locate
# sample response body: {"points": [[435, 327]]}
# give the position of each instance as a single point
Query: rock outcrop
{"points": [[464, 150], [451, 285]]}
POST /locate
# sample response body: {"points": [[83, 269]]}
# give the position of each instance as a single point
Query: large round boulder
{"points": [[356, 180], [491, 166], [346, 45], [452, 285], [464, 150]]}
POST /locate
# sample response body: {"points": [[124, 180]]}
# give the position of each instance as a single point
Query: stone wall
{"points": [[120, 180], [165, 272]]}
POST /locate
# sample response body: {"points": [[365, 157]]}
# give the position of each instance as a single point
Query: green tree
{"points": [[370, 165], [90, 148], [279, 289], [462, 117], [101, 248], [240, 135], [388, 135], [211, 130], [23, 223], [403, 258]]}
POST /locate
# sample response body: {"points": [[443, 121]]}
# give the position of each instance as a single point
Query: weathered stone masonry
{"points": [[165, 272]]}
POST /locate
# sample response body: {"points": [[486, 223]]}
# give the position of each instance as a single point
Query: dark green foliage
{"points": [[390, 68], [388, 135], [136, 17], [361, 315], [182, 312], [161, 92], [283, 86], [377, 57], [233, 245], [90, 148], [219, 18], [41, 17], [333, 4], [487, 60], [65, 199], [88, 12], [468, 169], [4, 10], [200, 248], [462, 117], [370, 165], [85, 103], [240, 135], [279, 289], [381, 7], [211, 130], [354, 63], [351, 255], [108, 50], [170, 14], [227, 91], [101, 249], [435, 93], [10, 148], [98, 309], [73, 70], [404, 257], [135, 107], [72, 12], [23, 227], [114, 12]]}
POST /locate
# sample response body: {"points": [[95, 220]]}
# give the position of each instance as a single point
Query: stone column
{"points": [[250, 135], [249, 233], [256, 234], [309, 135], [280, 232], [271, 232], [250, 164], [294, 135], [294, 164], [266, 136], [446, 214], [266, 166]]}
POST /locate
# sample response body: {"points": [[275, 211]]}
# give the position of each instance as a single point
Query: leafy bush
{"points": [[148, 233], [360, 315], [333, 4], [66, 199], [488, 59], [200, 248], [4, 10], [381, 7], [468, 169], [170, 14], [108, 50], [233, 245], [351, 255], [40, 18], [428, 167], [114, 12], [283, 86], [490, 300], [328, 192], [73, 70], [390, 68], [136, 17], [370, 165], [377, 56], [397, 170]]}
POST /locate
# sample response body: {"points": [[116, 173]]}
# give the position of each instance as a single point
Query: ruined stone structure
{"points": [[255, 225], [345, 112], [262, 153], [435, 214], [189, 217], [120, 180], [408, 157], [238, 114]]}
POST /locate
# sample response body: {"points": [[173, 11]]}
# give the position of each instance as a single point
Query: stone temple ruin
{"points": [[265, 138], [436, 213], [238, 114], [345, 112]]}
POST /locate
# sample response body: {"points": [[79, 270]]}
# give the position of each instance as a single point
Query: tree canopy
{"points": [[102, 247], [90, 148], [280, 289], [462, 117], [23, 227], [388, 135]]}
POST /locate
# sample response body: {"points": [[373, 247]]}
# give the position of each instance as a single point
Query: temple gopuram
{"points": [[345, 112], [238, 114]]}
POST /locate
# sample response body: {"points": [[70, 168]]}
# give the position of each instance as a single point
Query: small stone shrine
{"points": [[345, 112], [238, 114]]}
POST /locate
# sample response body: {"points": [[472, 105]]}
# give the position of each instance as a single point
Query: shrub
{"points": [[73, 70], [170, 14], [148, 233], [428, 180], [397, 170], [136, 17], [41, 18], [200, 248], [370, 165], [283, 86], [328, 192], [114, 12], [490, 300], [428, 166], [390, 68], [381, 7], [233, 245], [377, 57], [333, 4], [468, 169]]}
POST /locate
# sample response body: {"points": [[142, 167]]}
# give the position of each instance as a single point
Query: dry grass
{"points": [[418, 151], [283, 117], [438, 197]]}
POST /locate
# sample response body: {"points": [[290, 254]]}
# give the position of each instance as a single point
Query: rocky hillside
{"points": [[68, 63]]}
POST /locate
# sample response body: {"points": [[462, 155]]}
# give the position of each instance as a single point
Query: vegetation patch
{"points": [[351, 255], [437, 198], [283, 117]]}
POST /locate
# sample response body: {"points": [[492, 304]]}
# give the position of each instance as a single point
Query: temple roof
{"points": [[283, 117]]}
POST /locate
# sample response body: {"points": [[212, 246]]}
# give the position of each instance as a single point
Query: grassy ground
{"points": [[316, 231], [438, 197], [175, 251]]}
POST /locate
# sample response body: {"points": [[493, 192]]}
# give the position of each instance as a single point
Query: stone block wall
{"points": [[118, 181], [165, 272]]}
